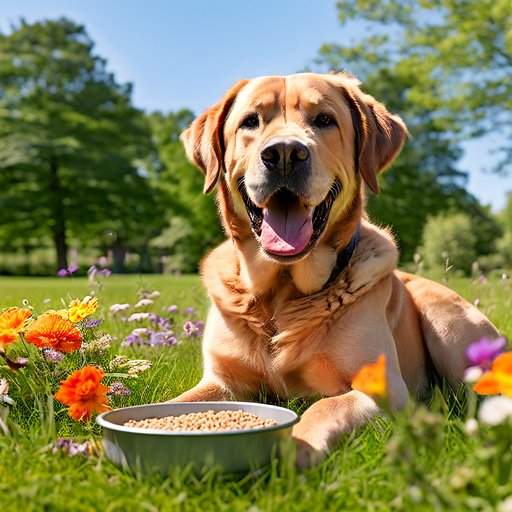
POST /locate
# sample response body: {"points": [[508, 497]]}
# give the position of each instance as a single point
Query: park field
{"points": [[421, 460]]}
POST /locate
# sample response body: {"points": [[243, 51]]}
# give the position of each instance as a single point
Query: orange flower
{"points": [[371, 378], [83, 392], [499, 379], [12, 321], [50, 330]]}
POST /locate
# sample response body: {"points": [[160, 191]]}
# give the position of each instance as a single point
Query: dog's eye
{"points": [[324, 121], [250, 122]]}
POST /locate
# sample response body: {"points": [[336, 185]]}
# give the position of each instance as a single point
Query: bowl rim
{"points": [[103, 422]]}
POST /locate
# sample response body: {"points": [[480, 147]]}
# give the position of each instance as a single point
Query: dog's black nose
{"points": [[285, 156]]}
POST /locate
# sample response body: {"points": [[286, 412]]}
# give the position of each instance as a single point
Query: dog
{"points": [[305, 290]]}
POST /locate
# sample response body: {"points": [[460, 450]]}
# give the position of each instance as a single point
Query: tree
{"points": [[425, 180], [462, 46], [193, 225], [69, 142], [449, 239]]}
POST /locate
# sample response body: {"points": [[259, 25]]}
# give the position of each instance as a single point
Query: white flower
{"points": [[138, 317], [495, 410], [471, 426], [153, 295], [472, 374], [505, 505], [143, 303], [116, 308]]}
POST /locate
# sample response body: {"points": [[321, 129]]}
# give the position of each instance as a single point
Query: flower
{"points": [[12, 322], [171, 309], [63, 272], [100, 344], [119, 389], [83, 392], [190, 311], [143, 303], [80, 309], [117, 308], [499, 379], [92, 323], [482, 352], [471, 426], [52, 356], [132, 366], [495, 410], [138, 317], [72, 448], [162, 338], [50, 330], [371, 378], [472, 374], [193, 328]]}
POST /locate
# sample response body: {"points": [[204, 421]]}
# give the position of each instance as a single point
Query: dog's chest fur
{"points": [[281, 338]]}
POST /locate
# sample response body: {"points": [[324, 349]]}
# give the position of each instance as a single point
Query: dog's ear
{"points": [[203, 140], [379, 135]]}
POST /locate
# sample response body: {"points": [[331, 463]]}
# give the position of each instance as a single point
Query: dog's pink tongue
{"points": [[286, 230]]}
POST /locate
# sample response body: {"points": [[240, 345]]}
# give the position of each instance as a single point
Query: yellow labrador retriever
{"points": [[305, 289]]}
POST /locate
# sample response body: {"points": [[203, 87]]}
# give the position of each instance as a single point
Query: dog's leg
{"points": [[325, 421], [205, 391]]}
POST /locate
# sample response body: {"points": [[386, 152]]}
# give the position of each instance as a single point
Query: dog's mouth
{"points": [[285, 226]]}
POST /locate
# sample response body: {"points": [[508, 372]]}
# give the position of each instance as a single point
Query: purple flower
{"points": [[92, 323], [52, 356], [132, 339], [483, 352], [190, 311], [162, 338], [106, 272], [72, 268], [119, 389], [172, 309], [193, 328], [160, 321], [71, 448], [63, 272]]}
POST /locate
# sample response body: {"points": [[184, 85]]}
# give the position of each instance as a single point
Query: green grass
{"points": [[420, 460]]}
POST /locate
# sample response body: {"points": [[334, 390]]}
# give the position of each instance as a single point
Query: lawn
{"points": [[422, 460]]}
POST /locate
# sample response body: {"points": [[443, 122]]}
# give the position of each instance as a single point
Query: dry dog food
{"points": [[207, 421]]}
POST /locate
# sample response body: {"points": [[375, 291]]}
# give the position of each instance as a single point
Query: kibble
{"points": [[206, 421]]}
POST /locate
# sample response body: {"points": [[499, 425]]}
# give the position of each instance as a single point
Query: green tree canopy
{"points": [[425, 180], [193, 223], [460, 51], [69, 142]]}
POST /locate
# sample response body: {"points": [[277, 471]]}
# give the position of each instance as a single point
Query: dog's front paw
{"points": [[311, 450]]}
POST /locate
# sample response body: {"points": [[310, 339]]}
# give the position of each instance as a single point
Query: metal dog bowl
{"points": [[151, 450]]}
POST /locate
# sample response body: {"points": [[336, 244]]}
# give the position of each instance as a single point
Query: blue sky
{"points": [[186, 53]]}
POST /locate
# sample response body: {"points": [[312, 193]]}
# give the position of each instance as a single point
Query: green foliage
{"points": [[460, 52], [69, 144], [449, 240], [193, 226]]}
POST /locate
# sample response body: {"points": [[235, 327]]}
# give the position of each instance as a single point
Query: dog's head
{"points": [[293, 152]]}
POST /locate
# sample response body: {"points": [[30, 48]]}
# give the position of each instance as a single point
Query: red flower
{"points": [[83, 392]]}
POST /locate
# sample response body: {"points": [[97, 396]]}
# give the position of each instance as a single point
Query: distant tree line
{"points": [[84, 171]]}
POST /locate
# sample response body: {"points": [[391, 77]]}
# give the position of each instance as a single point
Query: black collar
{"points": [[344, 256]]}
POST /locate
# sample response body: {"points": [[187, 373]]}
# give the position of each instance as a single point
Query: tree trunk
{"points": [[59, 216], [118, 256]]}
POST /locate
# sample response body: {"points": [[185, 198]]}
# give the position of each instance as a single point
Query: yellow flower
{"points": [[80, 309], [371, 378]]}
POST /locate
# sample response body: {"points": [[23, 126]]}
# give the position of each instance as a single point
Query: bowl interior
{"points": [[114, 420]]}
